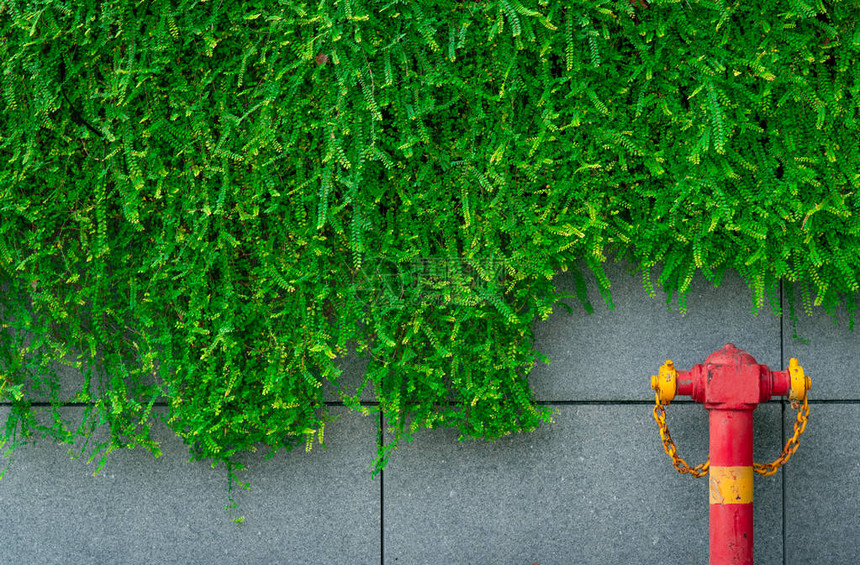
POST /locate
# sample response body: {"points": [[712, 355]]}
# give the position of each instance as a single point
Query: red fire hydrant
{"points": [[731, 384]]}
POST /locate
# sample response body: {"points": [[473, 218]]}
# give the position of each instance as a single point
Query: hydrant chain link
{"points": [[669, 446], [790, 446], [667, 379], [764, 469]]}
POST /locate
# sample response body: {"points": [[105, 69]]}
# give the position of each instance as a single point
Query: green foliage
{"points": [[204, 202]]}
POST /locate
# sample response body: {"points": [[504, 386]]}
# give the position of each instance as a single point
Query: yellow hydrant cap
{"points": [[665, 382], [800, 383]]}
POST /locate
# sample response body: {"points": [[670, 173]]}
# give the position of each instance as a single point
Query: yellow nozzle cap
{"points": [[666, 382], [800, 383]]}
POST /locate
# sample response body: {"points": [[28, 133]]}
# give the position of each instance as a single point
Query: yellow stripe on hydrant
{"points": [[731, 485]]}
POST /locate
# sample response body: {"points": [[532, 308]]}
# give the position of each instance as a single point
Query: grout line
{"points": [[360, 403], [632, 402], [382, 482], [618, 402], [831, 401], [42, 404], [782, 415], [381, 500], [600, 402], [45, 404]]}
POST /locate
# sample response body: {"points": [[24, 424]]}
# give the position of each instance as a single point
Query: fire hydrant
{"points": [[730, 384]]}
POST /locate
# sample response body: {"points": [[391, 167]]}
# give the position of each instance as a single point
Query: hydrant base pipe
{"points": [[730, 480]]}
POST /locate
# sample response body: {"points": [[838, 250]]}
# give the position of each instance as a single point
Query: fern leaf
{"points": [[717, 119], [511, 13]]}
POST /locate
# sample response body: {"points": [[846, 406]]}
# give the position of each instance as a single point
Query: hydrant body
{"points": [[730, 479], [730, 384]]}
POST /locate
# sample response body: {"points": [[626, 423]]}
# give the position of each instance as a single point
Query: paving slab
{"points": [[316, 507], [353, 366], [68, 376], [827, 350], [64, 377], [610, 354], [821, 484], [594, 487]]}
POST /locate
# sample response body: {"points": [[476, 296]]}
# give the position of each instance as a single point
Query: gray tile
{"points": [[829, 355], [62, 376], [594, 487], [821, 484], [611, 354], [66, 377], [316, 507], [353, 366]]}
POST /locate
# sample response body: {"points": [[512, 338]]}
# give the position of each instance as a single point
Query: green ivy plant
{"points": [[203, 203]]}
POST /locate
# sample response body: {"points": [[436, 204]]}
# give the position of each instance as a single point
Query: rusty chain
{"points": [[791, 445], [766, 469], [669, 445]]}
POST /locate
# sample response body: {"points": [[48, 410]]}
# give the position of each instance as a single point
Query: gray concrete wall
{"points": [[594, 487]]}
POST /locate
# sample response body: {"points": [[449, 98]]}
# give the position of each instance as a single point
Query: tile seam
{"points": [[618, 402], [782, 415], [381, 498], [43, 404]]}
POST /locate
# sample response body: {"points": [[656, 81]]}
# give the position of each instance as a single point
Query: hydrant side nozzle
{"points": [[665, 382], [800, 383]]}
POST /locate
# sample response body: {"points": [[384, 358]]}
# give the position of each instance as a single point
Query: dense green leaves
{"points": [[206, 202]]}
